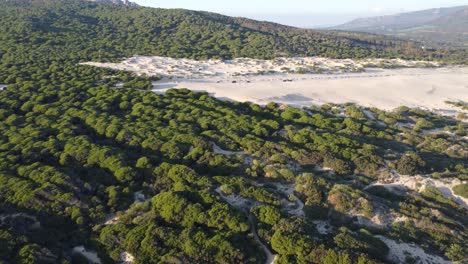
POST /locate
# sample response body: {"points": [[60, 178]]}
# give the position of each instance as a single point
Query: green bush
{"points": [[462, 190]]}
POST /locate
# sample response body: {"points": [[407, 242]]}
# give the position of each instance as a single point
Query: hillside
{"points": [[94, 174], [441, 25], [74, 30]]}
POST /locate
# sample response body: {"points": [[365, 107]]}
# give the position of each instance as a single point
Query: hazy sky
{"points": [[305, 13]]}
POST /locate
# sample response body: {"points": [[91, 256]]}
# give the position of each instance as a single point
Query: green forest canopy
{"points": [[74, 150]]}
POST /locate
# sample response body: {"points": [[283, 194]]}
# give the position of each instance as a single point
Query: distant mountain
{"points": [[440, 25]]}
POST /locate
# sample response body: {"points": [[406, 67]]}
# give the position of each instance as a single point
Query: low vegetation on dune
{"points": [[93, 173], [461, 190]]}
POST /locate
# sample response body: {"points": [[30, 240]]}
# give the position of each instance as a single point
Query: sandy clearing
{"points": [[297, 207], [439, 131], [111, 220], [373, 222], [192, 69], [91, 256], [237, 200], [385, 90], [138, 197], [325, 81], [248, 159], [127, 258], [399, 251], [218, 150], [419, 183], [323, 227]]}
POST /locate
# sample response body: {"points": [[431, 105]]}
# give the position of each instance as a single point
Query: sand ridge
{"points": [[401, 83], [192, 69]]}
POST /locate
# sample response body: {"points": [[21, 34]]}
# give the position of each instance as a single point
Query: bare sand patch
{"points": [[399, 252], [311, 81], [127, 258], [91, 256], [323, 227], [385, 89], [193, 69], [420, 183]]}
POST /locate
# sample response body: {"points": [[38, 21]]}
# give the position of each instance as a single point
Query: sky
{"points": [[304, 13]]}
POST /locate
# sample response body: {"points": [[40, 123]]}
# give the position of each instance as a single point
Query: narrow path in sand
{"points": [[271, 259], [243, 204]]}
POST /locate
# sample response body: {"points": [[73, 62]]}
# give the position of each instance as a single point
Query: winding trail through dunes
{"points": [[298, 207], [245, 204], [271, 259]]}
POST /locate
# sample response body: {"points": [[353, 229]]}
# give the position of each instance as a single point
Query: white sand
{"points": [[237, 200], [218, 150], [271, 258], [419, 183], [192, 69], [323, 227], [126, 258], [262, 81], [373, 222], [399, 251], [384, 89], [295, 208], [248, 159], [91, 256], [111, 220]]}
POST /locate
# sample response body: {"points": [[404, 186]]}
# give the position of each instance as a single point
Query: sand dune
{"points": [[192, 69], [385, 89], [324, 81]]}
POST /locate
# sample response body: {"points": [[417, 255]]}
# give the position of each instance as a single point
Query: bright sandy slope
{"points": [[262, 81]]}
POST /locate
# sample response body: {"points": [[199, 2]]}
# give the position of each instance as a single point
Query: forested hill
{"points": [[109, 31], [81, 30]]}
